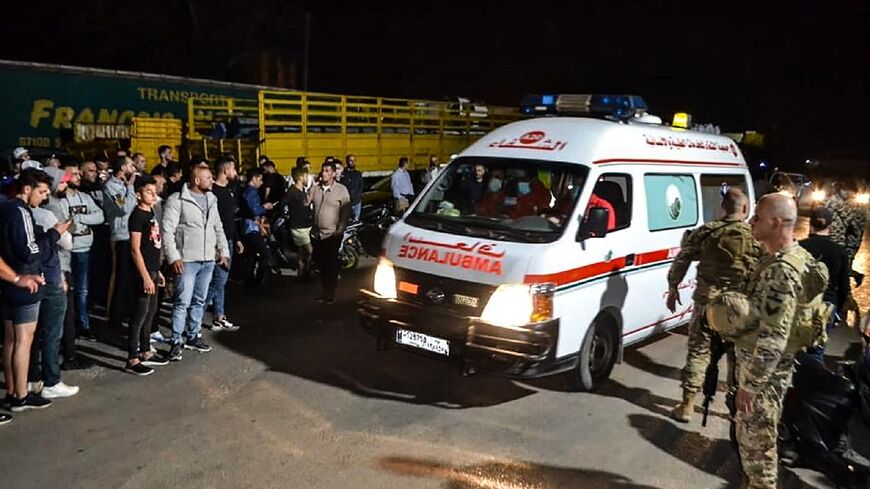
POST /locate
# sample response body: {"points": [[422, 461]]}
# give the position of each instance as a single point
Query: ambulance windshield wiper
{"points": [[494, 228]]}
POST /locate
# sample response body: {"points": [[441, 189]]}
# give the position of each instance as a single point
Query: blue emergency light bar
{"points": [[617, 106]]}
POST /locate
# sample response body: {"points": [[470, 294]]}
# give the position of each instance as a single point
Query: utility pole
{"points": [[307, 49]]}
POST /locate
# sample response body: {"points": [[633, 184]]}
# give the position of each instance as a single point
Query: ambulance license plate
{"points": [[423, 341]]}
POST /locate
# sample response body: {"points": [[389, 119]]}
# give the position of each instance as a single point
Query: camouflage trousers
{"points": [[698, 356], [757, 431]]}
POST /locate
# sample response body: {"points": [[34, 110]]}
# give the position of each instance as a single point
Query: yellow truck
{"points": [[286, 124]]}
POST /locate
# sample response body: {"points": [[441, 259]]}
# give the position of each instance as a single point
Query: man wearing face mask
{"points": [[492, 202], [531, 197]]}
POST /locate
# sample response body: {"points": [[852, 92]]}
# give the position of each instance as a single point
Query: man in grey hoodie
{"points": [[118, 203], [80, 207], [193, 239]]}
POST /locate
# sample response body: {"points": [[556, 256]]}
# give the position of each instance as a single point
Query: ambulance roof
{"points": [[590, 141]]}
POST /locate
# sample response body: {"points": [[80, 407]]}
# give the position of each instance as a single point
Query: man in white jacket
{"points": [[193, 239]]}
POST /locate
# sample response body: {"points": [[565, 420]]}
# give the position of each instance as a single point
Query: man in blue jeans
{"points": [[192, 249], [226, 190], [69, 203], [44, 359]]}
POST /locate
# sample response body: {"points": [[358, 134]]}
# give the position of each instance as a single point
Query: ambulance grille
{"points": [[456, 296]]}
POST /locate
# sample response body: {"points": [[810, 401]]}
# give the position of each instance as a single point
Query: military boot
{"points": [[683, 411]]}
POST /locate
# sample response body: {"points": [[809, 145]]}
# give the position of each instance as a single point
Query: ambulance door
{"points": [[671, 207], [611, 256]]}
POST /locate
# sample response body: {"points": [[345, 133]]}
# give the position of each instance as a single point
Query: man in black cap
{"points": [[835, 256]]}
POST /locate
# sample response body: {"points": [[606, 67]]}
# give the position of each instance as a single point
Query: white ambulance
{"points": [[544, 247]]}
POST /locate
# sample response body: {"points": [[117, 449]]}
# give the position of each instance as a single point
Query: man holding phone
{"points": [[80, 208]]}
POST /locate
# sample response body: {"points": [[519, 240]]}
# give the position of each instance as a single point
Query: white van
{"points": [[544, 247]]}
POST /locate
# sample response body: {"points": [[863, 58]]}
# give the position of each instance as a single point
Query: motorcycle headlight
{"points": [[514, 305], [385, 279], [863, 198], [819, 195]]}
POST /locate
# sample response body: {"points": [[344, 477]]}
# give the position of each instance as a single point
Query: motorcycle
{"points": [[815, 415], [252, 267], [375, 221], [350, 250]]}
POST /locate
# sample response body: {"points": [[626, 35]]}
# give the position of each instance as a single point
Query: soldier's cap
{"points": [[821, 217]]}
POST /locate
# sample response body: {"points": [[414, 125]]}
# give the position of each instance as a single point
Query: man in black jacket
{"points": [[353, 180], [835, 257], [228, 194], [20, 245]]}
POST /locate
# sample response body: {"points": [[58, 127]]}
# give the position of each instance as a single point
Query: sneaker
{"points": [[157, 337], [198, 345], [7, 401], [30, 401], [5, 419], [217, 325], [139, 369], [59, 390], [228, 326], [88, 335], [154, 361], [35, 387], [174, 353], [225, 324]]}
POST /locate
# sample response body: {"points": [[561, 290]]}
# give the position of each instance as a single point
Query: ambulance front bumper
{"points": [[474, 345]]}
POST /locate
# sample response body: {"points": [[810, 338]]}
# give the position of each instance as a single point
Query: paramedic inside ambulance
{"points": [[527, 196], [492, 202]]}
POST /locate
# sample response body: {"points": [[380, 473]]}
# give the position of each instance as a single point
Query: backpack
{"points": [[730, 313], [812, 314]]}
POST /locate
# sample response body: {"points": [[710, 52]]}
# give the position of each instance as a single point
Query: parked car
{"points": [[380, 193]]}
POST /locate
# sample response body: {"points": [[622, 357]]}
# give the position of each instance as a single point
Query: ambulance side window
{"points": [[671, 201], [614, 189], [713, 188]]}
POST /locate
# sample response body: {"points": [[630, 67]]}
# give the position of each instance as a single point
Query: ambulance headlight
{"points": [[514, 305], [863, 198], [819, 195], [385, 279]]}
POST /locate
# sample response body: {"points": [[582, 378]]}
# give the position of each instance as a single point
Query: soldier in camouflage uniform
{"points": [[764, 364], [847, 228], [726, 253]]}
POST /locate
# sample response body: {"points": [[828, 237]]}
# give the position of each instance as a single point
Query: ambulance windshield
{"points": [[501, 198]]}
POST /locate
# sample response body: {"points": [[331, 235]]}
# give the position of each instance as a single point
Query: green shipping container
{"points": [[40, 102]]}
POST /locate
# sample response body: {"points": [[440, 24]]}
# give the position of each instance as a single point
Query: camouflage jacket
{"points": [[847, 228], [773, 290], [726, 252]]}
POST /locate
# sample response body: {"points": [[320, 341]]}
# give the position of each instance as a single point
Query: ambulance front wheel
{"points": [[597, 357]]}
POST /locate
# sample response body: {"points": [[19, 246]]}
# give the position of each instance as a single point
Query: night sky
{"points": [[797, 71]]}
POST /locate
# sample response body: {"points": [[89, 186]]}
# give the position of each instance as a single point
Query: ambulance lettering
{"points": [[477, 257], [531, 140]]}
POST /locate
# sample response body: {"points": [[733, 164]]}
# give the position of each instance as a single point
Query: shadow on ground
{"points": [[506, 474], [713, 456], [325, 344]]}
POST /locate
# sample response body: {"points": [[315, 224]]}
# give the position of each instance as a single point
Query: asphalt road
{"points": [[300, 398]]}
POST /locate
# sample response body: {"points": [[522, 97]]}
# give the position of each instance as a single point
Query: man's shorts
{"points": [[301, 236], [21, 314]]}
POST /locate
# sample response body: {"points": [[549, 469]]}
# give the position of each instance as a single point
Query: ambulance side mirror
{"points": [[594, 225]]}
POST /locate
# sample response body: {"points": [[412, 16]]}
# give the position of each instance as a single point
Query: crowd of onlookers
{"points": [[89, 251]]}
